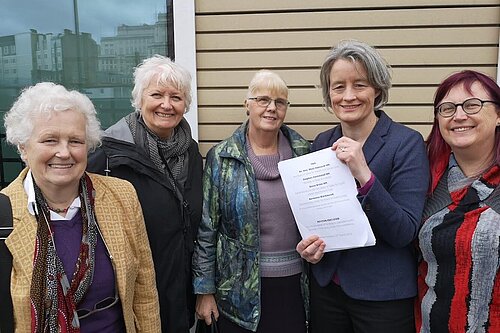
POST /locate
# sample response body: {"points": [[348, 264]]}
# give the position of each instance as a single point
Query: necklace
{"points": [[58, 210]]}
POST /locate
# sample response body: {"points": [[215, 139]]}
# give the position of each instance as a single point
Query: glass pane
{"points": [[88, 45]]}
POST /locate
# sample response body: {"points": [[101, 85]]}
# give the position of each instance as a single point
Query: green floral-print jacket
{"points": [[226, 257]]}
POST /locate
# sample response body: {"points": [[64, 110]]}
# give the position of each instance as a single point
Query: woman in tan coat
{"points": [[81, 259]]}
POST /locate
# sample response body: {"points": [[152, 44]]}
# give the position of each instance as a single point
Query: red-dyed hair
{"points": [[438, 150]]}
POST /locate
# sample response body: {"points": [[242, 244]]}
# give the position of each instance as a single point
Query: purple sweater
{"points": [[278, 232], [67, 237]]}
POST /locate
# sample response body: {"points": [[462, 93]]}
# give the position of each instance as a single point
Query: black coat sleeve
{"points": [[97, 161]]}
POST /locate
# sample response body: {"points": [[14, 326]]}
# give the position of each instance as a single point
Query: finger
{"points": [[303, 244], [310, 252], [201, 316], [321, 251], [311, 249], [317, 254], [311, 239], [216, 314], [316, 257]]}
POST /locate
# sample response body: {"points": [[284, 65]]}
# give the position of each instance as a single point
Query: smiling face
{"points": [[265, 119], [162, 108], [351, 95], [56, 152], [466, 132]]}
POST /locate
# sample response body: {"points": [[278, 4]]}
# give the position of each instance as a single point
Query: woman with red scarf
{"points": [[81, 260], [459, 283]]}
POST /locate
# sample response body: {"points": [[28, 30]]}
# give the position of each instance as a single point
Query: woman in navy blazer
{"points": [[369, 289]]}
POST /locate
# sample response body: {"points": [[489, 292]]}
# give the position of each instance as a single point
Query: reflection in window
{"points": [[92, 46]]}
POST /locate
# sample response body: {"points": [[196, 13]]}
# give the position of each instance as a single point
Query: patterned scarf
{"points": [[53, 297], [463, 189], [164, 153]]}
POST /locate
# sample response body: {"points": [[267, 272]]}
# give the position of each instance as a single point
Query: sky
{"points": [[98, 17]]}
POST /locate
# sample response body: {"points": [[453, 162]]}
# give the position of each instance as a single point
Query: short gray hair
{"points": [[166, 72], [377, 69], [43, 99]]}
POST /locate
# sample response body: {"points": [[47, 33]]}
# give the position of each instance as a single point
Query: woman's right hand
{"points": [[205, 306], [311, 249], [351, 153]]}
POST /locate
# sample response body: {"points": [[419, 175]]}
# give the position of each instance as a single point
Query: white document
{"points": [[322, 194]]}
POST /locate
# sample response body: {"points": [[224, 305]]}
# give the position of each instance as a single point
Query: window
{"points": [[67, 41]]}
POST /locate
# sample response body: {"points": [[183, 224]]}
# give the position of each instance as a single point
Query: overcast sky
{"points": [[98, 17]]}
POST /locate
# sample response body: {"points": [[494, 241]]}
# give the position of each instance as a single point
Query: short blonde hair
{"points": [[267, 80]]}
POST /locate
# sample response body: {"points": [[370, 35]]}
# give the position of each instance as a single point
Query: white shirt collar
{"points": [[30, 192]]}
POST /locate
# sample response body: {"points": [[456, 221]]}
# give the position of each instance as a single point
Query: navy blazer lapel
{"points": [[336, 134], [376, 139]]}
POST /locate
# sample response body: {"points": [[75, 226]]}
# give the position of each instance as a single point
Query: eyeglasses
{"points": [[107, 302], [470, 106], [264, 101], [102, 305]]}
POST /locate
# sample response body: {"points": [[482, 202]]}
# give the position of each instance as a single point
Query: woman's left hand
{"points": [[205, 306], [311, 249], [351, 153]]}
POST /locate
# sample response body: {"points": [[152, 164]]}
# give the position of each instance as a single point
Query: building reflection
{"points": [[102, 70]]}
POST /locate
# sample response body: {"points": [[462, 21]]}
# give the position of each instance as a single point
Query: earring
{"points": [[248, 113]]}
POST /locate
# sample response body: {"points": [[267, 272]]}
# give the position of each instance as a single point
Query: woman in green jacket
{"points": [[246, 270]]}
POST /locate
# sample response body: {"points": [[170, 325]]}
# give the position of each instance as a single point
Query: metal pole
{"points": [[78, 47], [75, 14]]}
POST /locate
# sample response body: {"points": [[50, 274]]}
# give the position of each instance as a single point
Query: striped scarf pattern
{"points": [[459, 282]]}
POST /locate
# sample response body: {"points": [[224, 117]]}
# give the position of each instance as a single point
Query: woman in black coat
{"points": [[153, 149]]}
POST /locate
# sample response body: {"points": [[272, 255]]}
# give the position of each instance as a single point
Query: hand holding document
{"points": [[322, 195]]}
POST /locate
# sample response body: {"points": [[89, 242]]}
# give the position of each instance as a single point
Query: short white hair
{"points": [[43, 99], [166, 72]]}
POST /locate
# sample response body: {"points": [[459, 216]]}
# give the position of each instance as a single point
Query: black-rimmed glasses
{"points": [[470, 106], [264, 101]]}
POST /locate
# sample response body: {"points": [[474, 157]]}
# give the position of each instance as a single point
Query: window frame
{"points": [[185, 53]]}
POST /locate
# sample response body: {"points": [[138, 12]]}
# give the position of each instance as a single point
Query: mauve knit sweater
{"points": [[278, 232]]}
